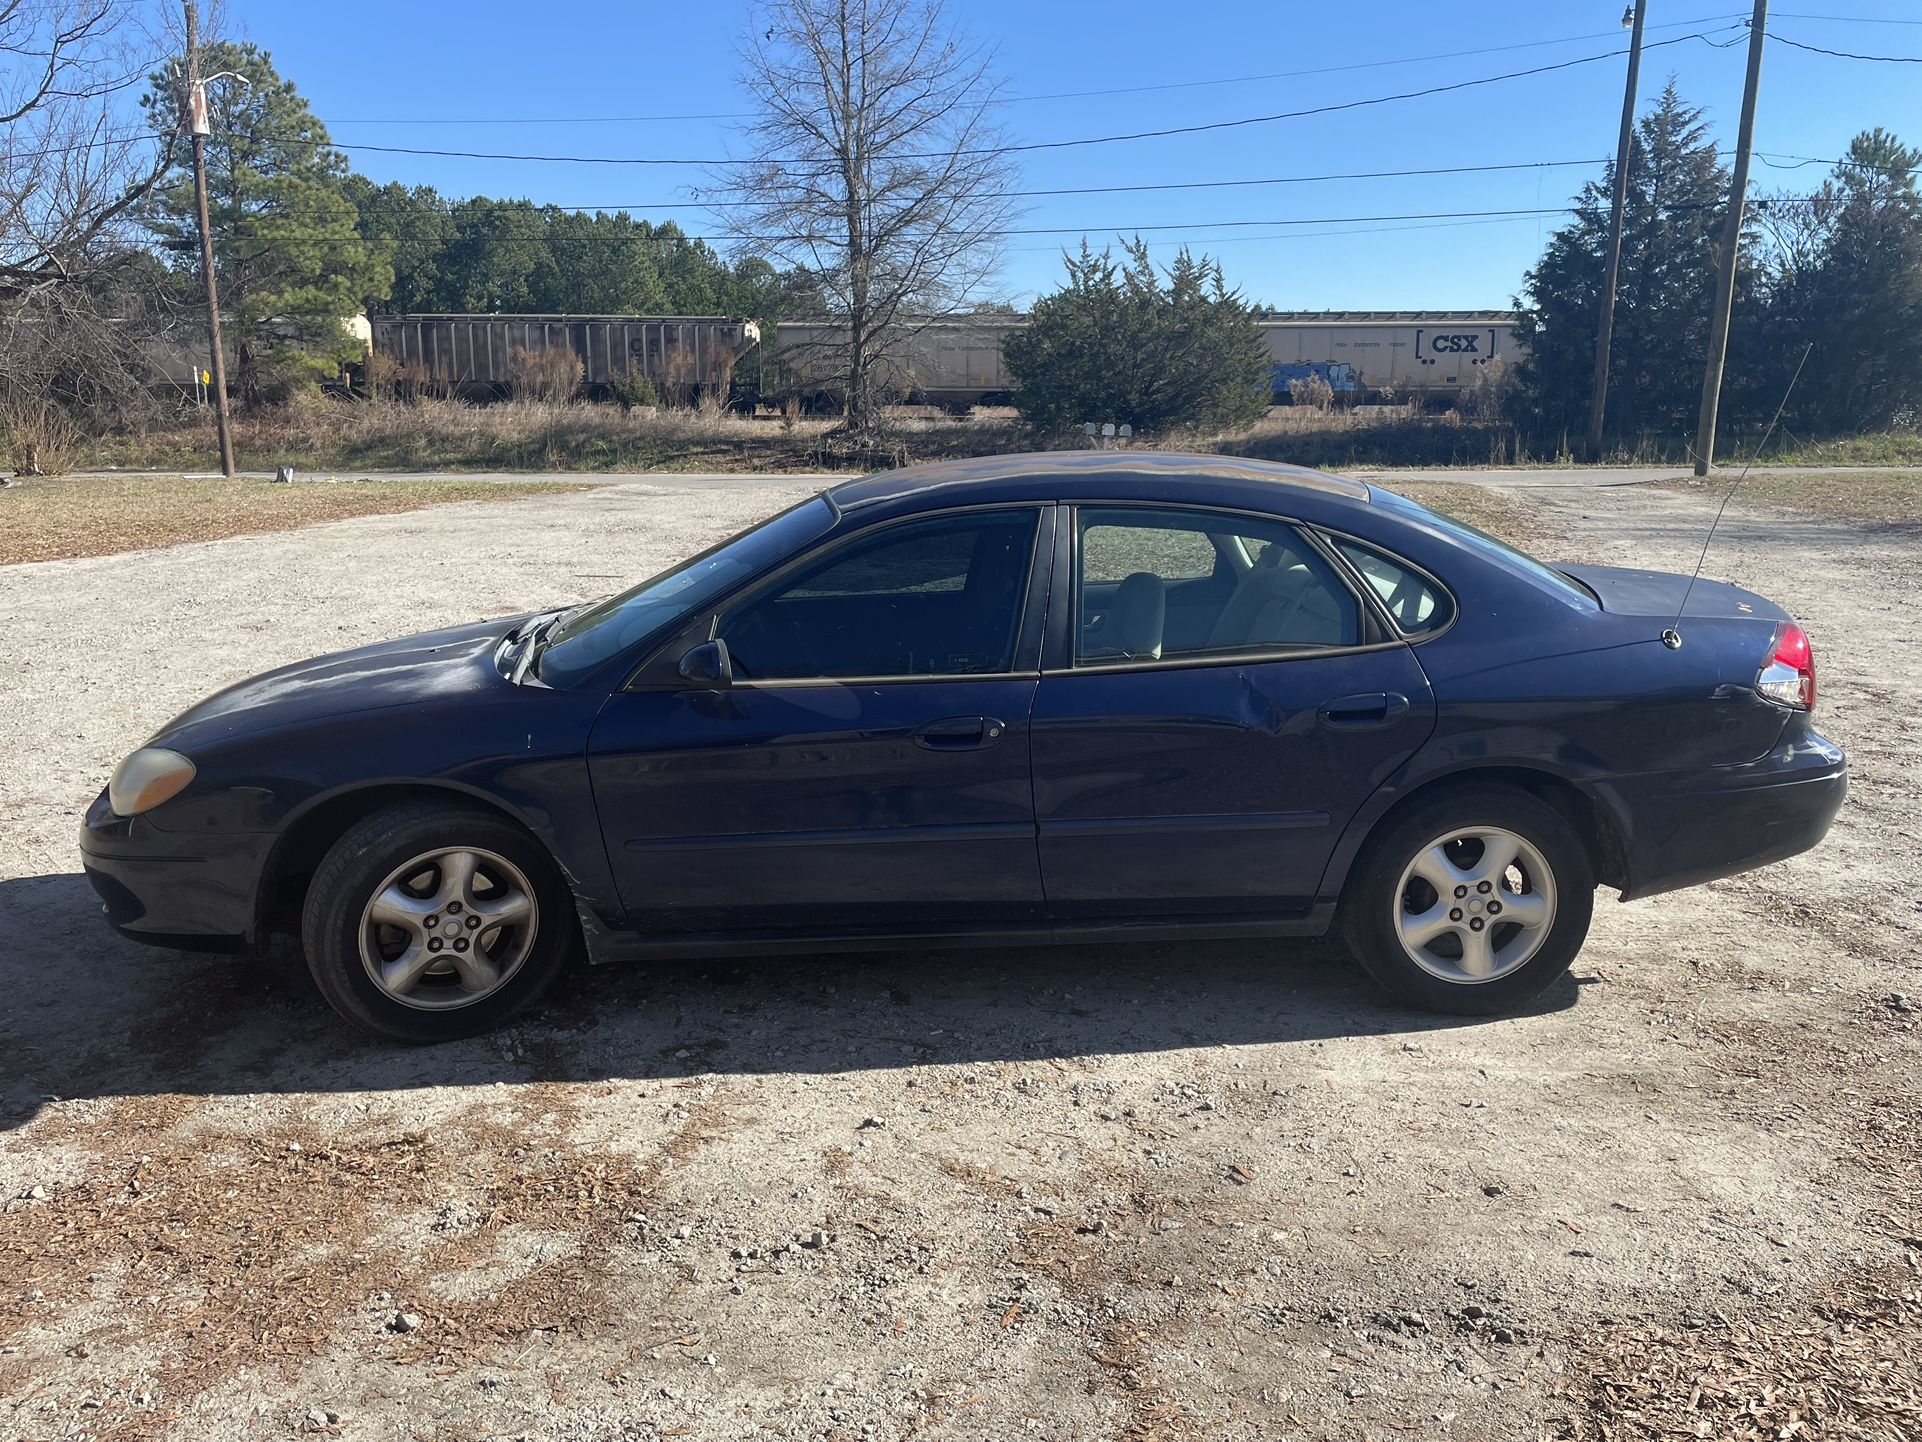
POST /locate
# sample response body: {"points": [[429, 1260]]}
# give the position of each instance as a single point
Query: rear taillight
{"points": [[1789, 675]]}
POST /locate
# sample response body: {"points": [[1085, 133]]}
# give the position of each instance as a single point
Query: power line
{"points": [[1367, 64], [1845, 54], [642, 205], [545, 234], [1061, 94], [1844, 19], [1299, 234], [1769, 158], [1038, 145]]}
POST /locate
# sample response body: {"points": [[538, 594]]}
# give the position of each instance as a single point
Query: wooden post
{"points": [[193, 107], [1605, 333], [1731, 246]]}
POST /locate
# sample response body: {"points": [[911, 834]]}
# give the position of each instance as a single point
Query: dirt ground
{"points": [[52, 518], [1218, 1191]]}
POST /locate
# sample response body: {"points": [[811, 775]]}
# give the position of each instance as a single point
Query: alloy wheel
{"points": [[1474, 904], [448, 928]]}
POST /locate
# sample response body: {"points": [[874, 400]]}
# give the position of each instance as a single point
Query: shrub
{"points": [[1312, 391], [546, 373], [633, 392], [383, 373], [1489, 394], [1133, 345], [40, 435]]}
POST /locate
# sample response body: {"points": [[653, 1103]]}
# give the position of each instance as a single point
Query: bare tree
{"points": [[81, 297], [875, 166], [76, 159]]}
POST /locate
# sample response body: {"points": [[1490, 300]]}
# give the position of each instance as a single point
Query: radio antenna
{"points": [[1672, 636]]}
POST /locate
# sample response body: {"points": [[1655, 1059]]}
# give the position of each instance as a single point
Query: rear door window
{"points": [[1159, 584]]}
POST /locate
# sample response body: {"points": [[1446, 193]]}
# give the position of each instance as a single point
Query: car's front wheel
{"points": [[430, 921], [1471, 902]]}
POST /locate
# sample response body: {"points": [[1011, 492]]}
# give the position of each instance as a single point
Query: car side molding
{"points": [[634, 946]]}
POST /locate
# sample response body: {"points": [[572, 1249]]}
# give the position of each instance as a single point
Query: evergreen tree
{"points": [[1677, 191], [291, 261], [1847, 280], [497, 257], [489, 256], [1122, 342], [411, 225]]}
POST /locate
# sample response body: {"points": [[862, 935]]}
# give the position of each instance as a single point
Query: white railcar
{"points": [[1359, 353]]}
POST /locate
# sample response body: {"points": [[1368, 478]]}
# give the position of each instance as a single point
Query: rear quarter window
{"points": [[1417, 605]]}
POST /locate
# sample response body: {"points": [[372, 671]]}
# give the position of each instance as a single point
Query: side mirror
{"points": [[708, 664]]}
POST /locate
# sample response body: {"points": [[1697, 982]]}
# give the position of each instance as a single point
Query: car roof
{"points": [[1047, 475]]}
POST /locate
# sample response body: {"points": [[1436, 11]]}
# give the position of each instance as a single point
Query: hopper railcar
{"points": [[472, 355]]}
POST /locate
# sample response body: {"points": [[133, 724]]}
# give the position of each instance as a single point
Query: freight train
{"points": [[951, 363], [958, 363]]}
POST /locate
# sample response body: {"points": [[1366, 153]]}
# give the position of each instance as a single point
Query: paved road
{"points": [[694, 479], [1544, 478]]}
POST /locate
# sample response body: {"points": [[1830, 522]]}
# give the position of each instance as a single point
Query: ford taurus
{"points": [[1042, 698]]}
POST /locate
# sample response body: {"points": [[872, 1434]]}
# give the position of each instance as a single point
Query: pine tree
{"points": [[1847, 281], [412, 227], [289, 257], [1677, 191]]}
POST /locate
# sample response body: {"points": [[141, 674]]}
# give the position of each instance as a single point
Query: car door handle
{"points": [[1365, 709], [960, 733]]}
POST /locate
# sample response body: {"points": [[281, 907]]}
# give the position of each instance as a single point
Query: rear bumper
{"points": [[1687, 830], [194, 892]]}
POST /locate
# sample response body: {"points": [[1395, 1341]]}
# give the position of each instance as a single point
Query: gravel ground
{"points": [[1214, 1191]]}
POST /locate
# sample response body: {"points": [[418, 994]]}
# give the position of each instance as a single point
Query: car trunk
{"points": [[1626, 592], [1727, 636]]}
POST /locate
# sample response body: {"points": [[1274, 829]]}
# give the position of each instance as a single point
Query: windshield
{"points": [[588, 640], [1462, 531]]}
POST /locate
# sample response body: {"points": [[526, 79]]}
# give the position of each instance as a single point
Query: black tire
{"points": [[364, 858], [1373, 899]]}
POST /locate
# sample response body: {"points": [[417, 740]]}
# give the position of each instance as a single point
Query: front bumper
{"points": [[191, 890], [1686, 830]]}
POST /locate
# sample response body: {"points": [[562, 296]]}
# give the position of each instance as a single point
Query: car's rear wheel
{"points": [[1471, 902], [430, 921]]}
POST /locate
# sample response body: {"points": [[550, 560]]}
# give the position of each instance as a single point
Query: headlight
{"points": [[145, 779]]}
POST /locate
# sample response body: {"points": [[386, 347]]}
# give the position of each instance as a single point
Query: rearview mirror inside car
{"points": [[708, 664]]}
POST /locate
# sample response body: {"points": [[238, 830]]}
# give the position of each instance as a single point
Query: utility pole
{"points": [[1605, 333], [1731, 245], [193, 110]]}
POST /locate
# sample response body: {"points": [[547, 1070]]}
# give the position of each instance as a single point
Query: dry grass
{"points": [[530, 435], [50, 519], [510, 436], [1888, 498]]}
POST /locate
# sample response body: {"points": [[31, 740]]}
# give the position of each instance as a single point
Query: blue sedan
{"points": [[1066, 697]]}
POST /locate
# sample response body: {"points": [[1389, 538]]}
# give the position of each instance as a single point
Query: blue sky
{"points": [[579, 76]]}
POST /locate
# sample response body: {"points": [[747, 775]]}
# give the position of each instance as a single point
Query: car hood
{"points": [[433, 666]]}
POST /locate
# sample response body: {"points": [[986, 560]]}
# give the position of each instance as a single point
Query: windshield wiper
{"points": [[524, 644]]}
